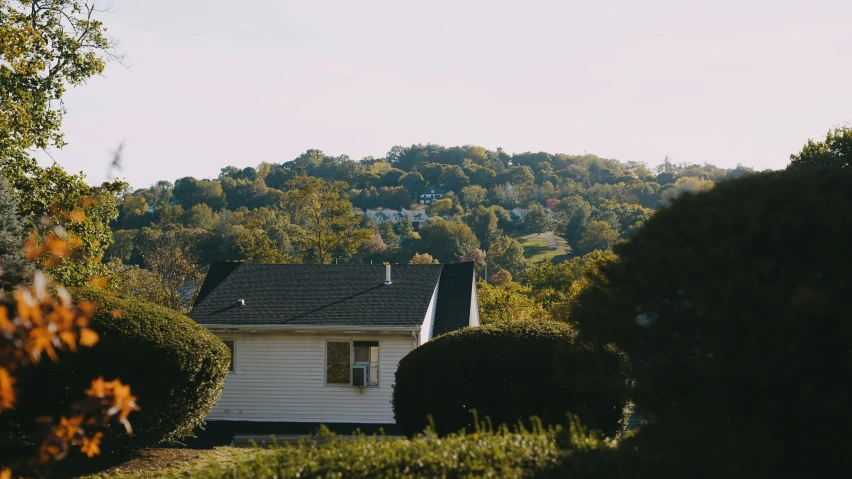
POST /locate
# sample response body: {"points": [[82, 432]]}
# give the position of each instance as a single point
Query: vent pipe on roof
{"points": [[387, 274], [241, 302]]}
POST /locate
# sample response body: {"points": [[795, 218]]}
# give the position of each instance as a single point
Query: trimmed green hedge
{"points": [[501, 454], [175, 367], [507, 372], [733, 307]]}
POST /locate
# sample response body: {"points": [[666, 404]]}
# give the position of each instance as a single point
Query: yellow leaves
{"points": [[98, 389], [5, 324], [40, 340], [77, 216], [88, 338], [117, 397], [7, 390], [40, 320], [68, 427], [98, 283], [91, 446]]}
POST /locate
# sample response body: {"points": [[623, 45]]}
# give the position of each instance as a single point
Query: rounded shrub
{"points": [[175, 367], [733, 308], [507, 373]]}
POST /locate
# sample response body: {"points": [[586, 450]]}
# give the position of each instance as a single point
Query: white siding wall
{"points": [[474, 306], [281, 377], [429, 321]]}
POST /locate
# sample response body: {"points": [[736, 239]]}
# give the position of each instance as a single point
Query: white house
{"points": [[431, 195], [320, 344], [417, 217]]}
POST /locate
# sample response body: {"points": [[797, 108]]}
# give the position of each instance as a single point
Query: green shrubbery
{"points": [[733, 308], [507, 372], [175, 367], [486, 454]]}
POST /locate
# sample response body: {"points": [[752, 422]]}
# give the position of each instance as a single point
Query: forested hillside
{"points": [[310, 210]]}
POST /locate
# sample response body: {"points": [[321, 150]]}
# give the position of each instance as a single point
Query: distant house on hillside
{"points": [[518, 214], [320, 344], [430, 195], [417, 217]]}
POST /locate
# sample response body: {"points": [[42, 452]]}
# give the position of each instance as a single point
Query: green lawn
{"points": [[537, 247], [166, 463]]}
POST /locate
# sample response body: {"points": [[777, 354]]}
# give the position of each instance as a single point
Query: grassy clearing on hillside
{"points": [[537, 247]]}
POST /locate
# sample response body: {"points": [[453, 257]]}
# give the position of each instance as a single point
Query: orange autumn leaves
{"points": [[35, 324], [105, 399], [117, 397], [38, 321]]}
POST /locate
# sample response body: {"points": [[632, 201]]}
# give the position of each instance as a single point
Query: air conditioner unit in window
{"points": [[360, 375]]}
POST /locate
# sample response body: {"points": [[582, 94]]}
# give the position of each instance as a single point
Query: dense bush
{"points": [[507, 373], [733, 307], [501, 454], [174, 367]]}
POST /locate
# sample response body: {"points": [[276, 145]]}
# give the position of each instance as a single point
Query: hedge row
{"points": [[509, 372], [486, 454], [733, 307], [175, 367]]}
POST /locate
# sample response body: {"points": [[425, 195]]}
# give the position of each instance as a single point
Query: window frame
{"points": [[351, 362]]}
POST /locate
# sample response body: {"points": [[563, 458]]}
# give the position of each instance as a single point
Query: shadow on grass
{"points": [[74, 465]]}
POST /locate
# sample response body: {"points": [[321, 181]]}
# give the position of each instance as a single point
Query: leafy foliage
{"points": [[834, 152], [424, 258], [175, 365], [736, 331], [556, 287], [38, 322], [46, 46], [506, 372], [14, 265], [508, 254], [83, 211], [448, 241], [537, 219], [599, 235], [484, 454], [325, 222], [505, 300]]}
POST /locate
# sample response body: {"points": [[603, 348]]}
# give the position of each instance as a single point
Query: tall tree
{"points": [[507, 253], [483, 222], [573, 213], [537, 219], [173, 258], [424, 258], [474, 195], [388, 234], [599, 235], [447, 240], [325, 222], [13, 264], [46, 46], [834, 152], [405, 228], [69, 201]]}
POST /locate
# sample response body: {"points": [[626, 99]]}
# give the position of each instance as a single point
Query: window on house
{"points": [[337, 360], [231, 344], [342, 355], [367, 354]]}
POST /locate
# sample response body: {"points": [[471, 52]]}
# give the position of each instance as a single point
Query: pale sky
{"points": [[211, 83]]}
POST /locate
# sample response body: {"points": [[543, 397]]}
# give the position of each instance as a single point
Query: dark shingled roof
{"points": [[454, 294], [283, 294]]}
